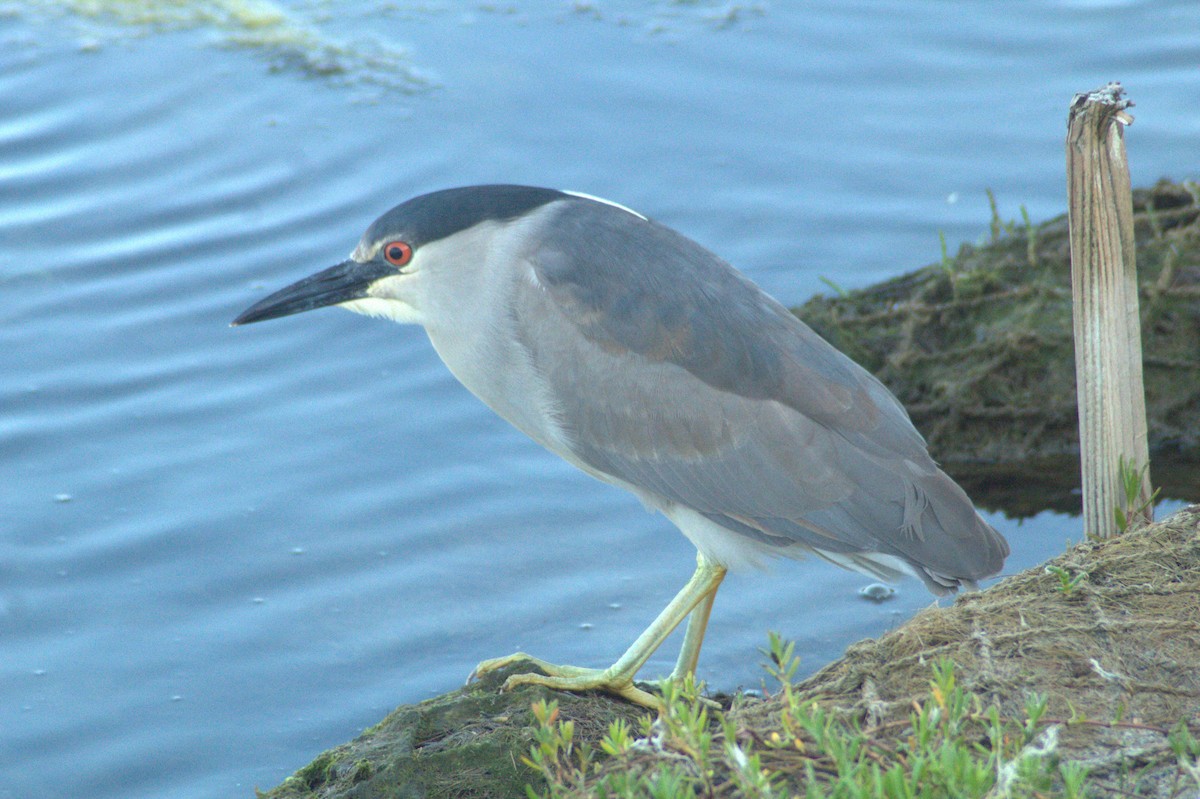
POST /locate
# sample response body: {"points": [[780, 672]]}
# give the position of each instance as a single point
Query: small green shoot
{"points": [[618, 741], [947, 265], [1156, 228], [841, 292], [997, 224], [1066, 582], [1136, 510], [1073, 774], [1031, 237], [1187, 750], [1035, 708], [783, 663], [554, 753]]}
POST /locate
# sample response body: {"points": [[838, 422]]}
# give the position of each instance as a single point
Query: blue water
{"points": [[223, 551]]}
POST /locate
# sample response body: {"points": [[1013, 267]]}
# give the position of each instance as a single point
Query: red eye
{"points": [[397, 253]]}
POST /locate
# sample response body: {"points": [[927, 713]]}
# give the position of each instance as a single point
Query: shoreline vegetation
{"points": [[1077, 678]]}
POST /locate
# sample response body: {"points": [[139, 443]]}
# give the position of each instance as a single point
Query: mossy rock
{"points": [[466, 744]]}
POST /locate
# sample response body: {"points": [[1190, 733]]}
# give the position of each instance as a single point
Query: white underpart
{"points": [[740, 553], [593, 198], [720, 545]]}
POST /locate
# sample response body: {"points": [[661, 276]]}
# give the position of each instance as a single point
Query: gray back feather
{"points": [[683, 378]]}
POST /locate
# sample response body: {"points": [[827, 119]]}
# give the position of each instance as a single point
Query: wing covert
{"points": [[673, 373]]}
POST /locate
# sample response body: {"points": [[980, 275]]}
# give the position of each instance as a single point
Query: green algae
{"points": [[468, 743], [290, 41]]}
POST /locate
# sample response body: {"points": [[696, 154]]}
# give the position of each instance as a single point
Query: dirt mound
{"points": [[1110, 634], [1118, 653]]}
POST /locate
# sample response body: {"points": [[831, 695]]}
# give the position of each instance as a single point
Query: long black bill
{"points": [[349, 280]]}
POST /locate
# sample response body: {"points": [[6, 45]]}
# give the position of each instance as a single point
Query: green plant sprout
{"points": [[1132, 480], [953, 748], [1066, 583]]}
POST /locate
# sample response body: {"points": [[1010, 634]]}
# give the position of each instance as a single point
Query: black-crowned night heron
{"points": [[648, 362]]}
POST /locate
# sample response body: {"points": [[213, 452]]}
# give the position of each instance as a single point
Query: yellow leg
{"points": [[693, 636], [696, 598]]}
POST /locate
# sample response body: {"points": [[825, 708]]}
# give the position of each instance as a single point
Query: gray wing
{"points": [[673, 372]]}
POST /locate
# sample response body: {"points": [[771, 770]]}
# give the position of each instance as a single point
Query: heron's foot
{"points": [[569, 678], [496, 664]]}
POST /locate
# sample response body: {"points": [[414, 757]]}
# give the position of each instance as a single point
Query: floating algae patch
{"points": [[287, 42]]}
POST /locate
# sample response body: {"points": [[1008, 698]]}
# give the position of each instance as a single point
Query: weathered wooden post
{"points": [[1108, 340]]}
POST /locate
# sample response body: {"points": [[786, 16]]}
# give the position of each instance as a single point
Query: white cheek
{"points": [[395, 310], [391, 298]]}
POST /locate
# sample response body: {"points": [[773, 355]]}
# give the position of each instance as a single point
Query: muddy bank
{"points": [[1117, 654]]}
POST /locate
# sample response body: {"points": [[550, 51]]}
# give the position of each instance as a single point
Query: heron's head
{"points": [[417, 245]]}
